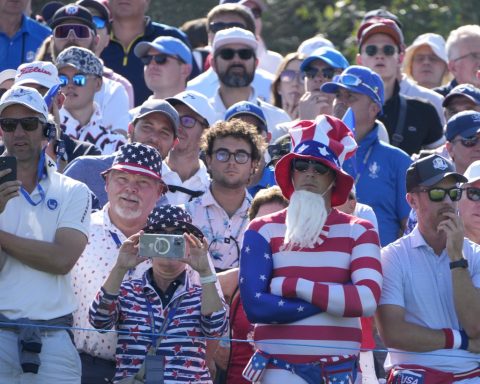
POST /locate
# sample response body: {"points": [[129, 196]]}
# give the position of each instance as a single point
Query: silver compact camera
{"points": [[162, 245]]}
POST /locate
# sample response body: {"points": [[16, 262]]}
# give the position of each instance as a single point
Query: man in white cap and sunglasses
{"points": [[44, 227], [430, 303]]}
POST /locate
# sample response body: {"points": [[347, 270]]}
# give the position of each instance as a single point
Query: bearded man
{"points": [[309, 272]]}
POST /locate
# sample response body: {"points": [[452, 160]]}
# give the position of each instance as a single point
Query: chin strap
{"points": [[328, 188]]}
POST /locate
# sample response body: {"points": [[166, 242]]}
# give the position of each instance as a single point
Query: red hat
{"points": [[385, 26], [327, 140]]}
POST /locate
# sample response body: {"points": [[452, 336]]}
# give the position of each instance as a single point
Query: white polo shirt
{"points": [[28, 292]]}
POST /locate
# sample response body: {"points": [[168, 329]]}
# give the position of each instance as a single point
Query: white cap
{"points": [[42, 73], [197, 103], [25, 96], [473, 172], [310, 45], [7, 74], [434, 41], [234, 35]]}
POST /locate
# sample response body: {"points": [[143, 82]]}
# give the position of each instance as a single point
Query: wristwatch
{"points": [[463, 263]]}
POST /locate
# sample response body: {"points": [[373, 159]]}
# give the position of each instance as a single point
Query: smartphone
{"points": [[52, 92], [8, 162], [162, 245]]}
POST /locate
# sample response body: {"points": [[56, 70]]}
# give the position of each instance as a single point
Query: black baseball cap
{"points": [[72, 12]]}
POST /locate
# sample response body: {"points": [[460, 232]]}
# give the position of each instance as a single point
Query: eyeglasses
{"points": [[288, 76], [79, 80], [473, 193], [28, 123], [354, 81], [302, 165], [228, 53], [224, 155], [257, 12], [468, 142], [99, 22], [159, 59], [312, 72], [471, 55], [438, 194], [189, 121], [419, 58], [80, 31], [372, 50], [219, 26]]}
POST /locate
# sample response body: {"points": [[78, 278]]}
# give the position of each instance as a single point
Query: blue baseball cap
{"points": [[245, 108], [358, 79], [466, 90], [329, 55], [168, 45], [465, 124]]}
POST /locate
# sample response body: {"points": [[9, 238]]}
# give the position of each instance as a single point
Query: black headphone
{"points": [[49, 131]]}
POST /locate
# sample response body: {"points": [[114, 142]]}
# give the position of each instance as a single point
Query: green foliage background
{"points": [[288, 22]]}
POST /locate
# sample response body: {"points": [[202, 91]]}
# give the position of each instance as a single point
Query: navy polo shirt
{"points": [[379, 170], [23, 46]]}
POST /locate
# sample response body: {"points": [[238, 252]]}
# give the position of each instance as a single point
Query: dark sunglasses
{"points": [[80, 80], [372, 50], [302, 165], [99, 22], [327, 72], [288, 76], [438, 194], [257, 12], [224, 155], [160, 59], [468, 142], [28, 123], [229, 53], [220, 26], [80, 31], [473, 193], [189, 121]]}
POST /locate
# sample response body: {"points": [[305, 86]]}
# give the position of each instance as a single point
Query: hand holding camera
{"points": [[128, 253], [9, 185]]}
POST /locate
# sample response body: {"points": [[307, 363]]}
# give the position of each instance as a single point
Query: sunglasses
{"points": [[372, 50], [80, 31], [288, 76], [99, 22], [468, 142], [28, 123], [438, 194], [220, 26], [160, 59], [473, 193], [190, 121], [79, 80], [224, 155], [229, 54], [302, 165], [327, 72], [354, 81]]}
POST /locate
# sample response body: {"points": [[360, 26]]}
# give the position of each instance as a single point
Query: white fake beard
{"points": [[306, 216]]}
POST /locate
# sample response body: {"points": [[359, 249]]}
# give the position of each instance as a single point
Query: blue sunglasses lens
{"points": [[99, 22]]}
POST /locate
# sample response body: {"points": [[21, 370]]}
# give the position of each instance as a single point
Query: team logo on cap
{"points": [[187, 95], [440, 164], [243, 108], [71, 10]]}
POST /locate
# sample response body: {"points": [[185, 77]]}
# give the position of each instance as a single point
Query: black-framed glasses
{"points": [[470, 55], [188, 121], [79, 80], [159, 59], [224, 155], [289, 75], [372, 50], [438, 194], [27, 123], [468, 142], [302, 165], [327, 72], [81, 31], [220, 26], [473, 193], [229, 53], [99, 22]]}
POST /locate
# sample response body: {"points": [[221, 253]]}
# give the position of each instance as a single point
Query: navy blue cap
{"points": [[168, 45], [465, 124], [245, 108], [358, 79], [73, 12], [466, 90], [329, 55]]}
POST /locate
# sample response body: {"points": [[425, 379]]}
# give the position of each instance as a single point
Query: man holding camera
{"points": [[133, 184], [44, 226]]}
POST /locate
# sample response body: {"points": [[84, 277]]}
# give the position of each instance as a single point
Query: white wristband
{"points": [[457, 339], [208, 279]]}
